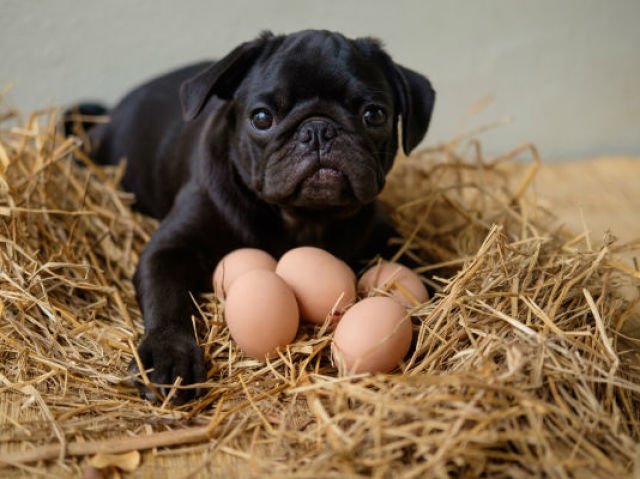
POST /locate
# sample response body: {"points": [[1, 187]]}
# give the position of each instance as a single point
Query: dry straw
{"points": [[523, 363]]}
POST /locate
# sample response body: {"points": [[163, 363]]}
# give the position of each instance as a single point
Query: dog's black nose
{"points": [[315, 134]]}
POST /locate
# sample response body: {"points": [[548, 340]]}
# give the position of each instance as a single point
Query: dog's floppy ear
{"points": [[221, 78], [416, 98], [414, 94]]}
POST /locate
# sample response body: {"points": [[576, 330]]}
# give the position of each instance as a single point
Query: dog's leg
{"points": [[172, 265]]}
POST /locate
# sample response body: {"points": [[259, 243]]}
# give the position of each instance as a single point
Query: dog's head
{"points": [[314, 118]]}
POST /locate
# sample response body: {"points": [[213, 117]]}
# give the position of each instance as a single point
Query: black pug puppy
{"points": [[284, 142]]}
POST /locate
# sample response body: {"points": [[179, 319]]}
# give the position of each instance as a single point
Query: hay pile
{"points": [[521, 364]]}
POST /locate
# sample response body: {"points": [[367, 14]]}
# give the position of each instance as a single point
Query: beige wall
{"points": [[567, 72]]}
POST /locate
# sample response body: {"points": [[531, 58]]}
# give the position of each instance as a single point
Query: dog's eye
{"points": [[374, 116], [262, 119]]}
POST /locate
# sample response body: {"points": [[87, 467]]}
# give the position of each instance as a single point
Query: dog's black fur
{"points": [[284, 142]]}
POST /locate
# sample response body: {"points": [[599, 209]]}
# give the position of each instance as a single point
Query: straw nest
{"points": [[523, 362]]}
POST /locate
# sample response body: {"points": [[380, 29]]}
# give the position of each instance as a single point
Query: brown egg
{"points": [[318, 280], [238, 262], [262, 313], [387, 276], [372, 336], [91, 472]]}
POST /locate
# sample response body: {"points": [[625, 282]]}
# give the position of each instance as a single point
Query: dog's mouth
{"points": [[325, 178], [321, 183], [324, 186]]}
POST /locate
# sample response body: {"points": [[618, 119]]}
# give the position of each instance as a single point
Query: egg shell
{"points": [[383, 275], [238, 262], [318, 279], [373, 336], [262, 313]]}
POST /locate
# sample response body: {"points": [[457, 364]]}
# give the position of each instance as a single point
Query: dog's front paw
{"points": [[170, 355]]}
